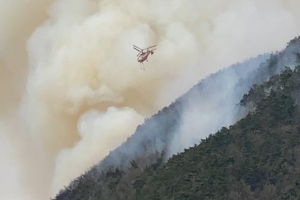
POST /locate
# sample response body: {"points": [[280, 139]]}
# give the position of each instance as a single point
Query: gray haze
{"points": [[71, 89]]}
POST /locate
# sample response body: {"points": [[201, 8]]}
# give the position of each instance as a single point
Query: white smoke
{"points": [[61, 60], [100, 133], [215, 105]]}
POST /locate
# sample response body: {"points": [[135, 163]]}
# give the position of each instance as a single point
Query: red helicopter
{"points": [[143, 55]]}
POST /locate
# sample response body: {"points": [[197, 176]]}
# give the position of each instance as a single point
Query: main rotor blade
{"points": [[151, 47], [137, 47], [138, 50]]}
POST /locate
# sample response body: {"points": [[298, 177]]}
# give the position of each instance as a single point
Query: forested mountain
{"points": [[257, 158], [254, 159]]}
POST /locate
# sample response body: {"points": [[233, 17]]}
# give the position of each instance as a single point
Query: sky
{"points": [[72, 90]]}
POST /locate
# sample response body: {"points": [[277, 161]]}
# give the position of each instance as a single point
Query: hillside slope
{"points": [[257, 158], [215, 97], [154, 139]]}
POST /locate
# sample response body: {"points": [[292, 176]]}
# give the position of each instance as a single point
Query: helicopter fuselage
{"points": [[144, 55]]}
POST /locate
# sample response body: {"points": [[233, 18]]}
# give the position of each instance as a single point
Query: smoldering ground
{"points": [[71, 89]]}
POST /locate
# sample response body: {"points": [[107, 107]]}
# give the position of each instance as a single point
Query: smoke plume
{"points": [[72, 90]]}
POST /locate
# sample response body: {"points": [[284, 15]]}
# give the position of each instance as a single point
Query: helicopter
{"points": [[143, 55]]}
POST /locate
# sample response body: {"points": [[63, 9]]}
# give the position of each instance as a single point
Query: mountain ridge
{"points": [[155, 147]]}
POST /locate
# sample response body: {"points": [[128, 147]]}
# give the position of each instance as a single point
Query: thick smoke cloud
{"points": [[71, 89], [216, 104]]}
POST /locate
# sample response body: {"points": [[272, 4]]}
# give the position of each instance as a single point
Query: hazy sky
{"points": [[71, 89]]}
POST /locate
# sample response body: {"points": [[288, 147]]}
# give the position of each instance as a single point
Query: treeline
{"points": [[257, 158]]}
